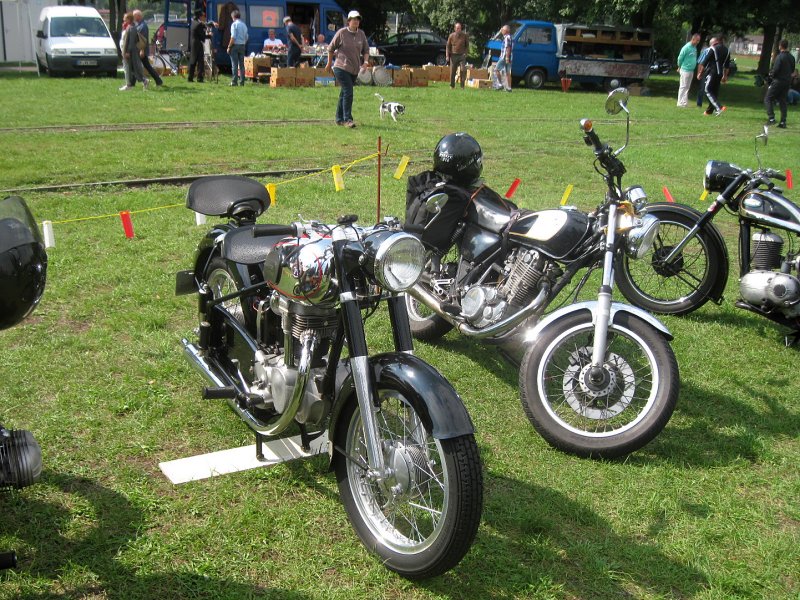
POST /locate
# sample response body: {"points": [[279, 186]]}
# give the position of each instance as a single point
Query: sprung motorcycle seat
{"points": [[227, 196], [241, 247]]}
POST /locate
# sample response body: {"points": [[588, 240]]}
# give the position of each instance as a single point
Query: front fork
{"points": [[368, 401], [604, 300]]}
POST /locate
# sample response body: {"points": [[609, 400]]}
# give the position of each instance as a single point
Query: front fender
{"points": [[591, 307], [433, 398]]}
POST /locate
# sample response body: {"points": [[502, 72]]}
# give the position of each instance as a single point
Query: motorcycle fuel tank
{"points": [[489, 210], [301, 269], [770, 208], [555, 232]]}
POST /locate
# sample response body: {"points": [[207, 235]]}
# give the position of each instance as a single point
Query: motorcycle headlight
{"points": [[640, 239], [636, 196], [719, 175], [395, 259]]}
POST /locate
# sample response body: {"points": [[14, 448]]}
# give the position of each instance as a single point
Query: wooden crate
{"points": [[479, 84], [256, 65], [419, 78], [477, 73], [283, 77]]}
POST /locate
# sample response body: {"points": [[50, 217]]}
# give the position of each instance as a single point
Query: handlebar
{"points": [[773, 174], [605, 156], [590, 137]]}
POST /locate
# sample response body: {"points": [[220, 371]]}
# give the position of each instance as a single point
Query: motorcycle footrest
{"points": [[220, 393]]}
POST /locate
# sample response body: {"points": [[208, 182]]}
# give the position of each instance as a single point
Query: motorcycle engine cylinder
{"points": [[767, 249], [526, 270]]}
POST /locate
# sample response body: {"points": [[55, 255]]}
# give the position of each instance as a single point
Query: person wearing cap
{"points": [[294, 40], [351, 48]]}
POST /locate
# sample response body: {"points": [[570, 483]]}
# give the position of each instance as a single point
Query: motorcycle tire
{"points": [[696, 275], [222, 282], [425, 324], [422, 521], [622, 414]]}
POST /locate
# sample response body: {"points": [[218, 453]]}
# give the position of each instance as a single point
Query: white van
{"points": [[74, 39]]}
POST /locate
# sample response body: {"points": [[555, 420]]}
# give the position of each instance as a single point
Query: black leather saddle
{"points": [[232, 196], [241, 247]]}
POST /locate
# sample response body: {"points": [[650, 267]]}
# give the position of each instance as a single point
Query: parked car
{"points": [[413, 48], [74, 39]]}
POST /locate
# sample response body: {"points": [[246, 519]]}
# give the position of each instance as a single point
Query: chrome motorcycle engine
{"points": [[275, 382], [771, 289], [483, 305]]}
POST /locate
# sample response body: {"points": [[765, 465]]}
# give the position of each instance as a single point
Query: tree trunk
{"points": [[765, 59]]}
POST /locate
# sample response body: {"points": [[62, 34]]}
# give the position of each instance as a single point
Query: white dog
{"points": [[393, 108]]}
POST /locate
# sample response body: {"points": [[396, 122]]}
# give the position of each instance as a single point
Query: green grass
{"points": [[707, 510]]}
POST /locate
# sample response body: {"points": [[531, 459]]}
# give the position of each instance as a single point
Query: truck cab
{"points": [[588, 54]]}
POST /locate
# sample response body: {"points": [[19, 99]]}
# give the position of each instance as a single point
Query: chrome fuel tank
{"points": [[771, 209]]}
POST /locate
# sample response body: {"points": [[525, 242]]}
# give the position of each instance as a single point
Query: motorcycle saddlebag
{"points": [[421, 187]]}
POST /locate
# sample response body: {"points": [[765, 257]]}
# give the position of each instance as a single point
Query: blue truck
{"points": [[313, 17], [587, 54]]}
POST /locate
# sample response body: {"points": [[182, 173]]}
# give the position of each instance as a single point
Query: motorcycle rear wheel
{"points": [[681, 287], [222, 282], [631, 407], [423, 521]]}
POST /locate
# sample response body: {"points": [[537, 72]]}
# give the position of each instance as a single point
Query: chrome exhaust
{"points": [[503, 326], [219, 379]]}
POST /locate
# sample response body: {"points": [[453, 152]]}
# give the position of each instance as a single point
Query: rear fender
{"points": [[433, 398], [591, 308]]}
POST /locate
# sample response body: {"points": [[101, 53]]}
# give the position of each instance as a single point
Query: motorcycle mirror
{"points": [[435, 203], [617, 100], [762, 138]]}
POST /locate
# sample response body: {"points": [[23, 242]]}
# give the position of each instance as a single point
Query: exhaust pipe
{"points": [[309, 343], [503, 326]]}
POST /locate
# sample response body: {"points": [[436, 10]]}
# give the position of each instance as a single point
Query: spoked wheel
{"points": [[422, 520], [426, 325], [602, 414], [682, 285], [222, 283]]}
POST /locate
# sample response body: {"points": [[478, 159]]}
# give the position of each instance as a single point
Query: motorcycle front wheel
{"points": [[620, 413], [683, 285], [422, 520]]}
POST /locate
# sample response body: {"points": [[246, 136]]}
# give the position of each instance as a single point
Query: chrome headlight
{"points": [[640, 239], [636, 196], [395, 259]]}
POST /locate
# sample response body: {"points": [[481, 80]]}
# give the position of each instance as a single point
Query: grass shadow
{"points": [[535, 541], [76, 526]]}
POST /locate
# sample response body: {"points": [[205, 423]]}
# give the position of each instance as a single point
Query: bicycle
{"points": [[170, 61]]}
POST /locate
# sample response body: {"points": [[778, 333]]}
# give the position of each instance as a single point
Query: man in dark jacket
{"points": [[780, 77], [294, 41], [197, 47], [713, 71]]}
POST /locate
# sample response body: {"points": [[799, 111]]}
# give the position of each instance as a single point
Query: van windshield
{"points": [[77, 27]]}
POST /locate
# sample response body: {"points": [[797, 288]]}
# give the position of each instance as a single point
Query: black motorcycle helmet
{"points": [[23, 262], [459, 157]]}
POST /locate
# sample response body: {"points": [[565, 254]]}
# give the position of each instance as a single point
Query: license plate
{"points": [[87, 63]]}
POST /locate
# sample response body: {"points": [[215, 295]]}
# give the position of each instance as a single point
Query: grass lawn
{"points": [[708, 510]]}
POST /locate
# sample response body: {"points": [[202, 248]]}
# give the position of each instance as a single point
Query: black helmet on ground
{"points": [[459, 157], [23, 262]]}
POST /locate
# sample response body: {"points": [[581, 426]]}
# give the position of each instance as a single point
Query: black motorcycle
{"points": [[597, 378], [688, 264], [280, 306]]}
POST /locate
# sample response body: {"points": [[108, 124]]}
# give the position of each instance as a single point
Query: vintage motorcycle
{"points": [[688, 264], [597, 378], [277, 304]]}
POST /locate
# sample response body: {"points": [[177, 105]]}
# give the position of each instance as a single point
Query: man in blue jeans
{"points": [[351, 48], [237, 49]]}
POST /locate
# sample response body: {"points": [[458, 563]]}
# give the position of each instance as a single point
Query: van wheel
{"points": [[534, 79]]}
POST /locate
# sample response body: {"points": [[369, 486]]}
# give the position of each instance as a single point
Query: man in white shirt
{"points": [[272, 43]]}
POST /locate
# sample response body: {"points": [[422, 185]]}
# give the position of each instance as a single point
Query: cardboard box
{"points": [[401, 77], [282, 77], [479, 84], [307, 74], [255, 65], [437, 73], [419, 78], [477, 73]]}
